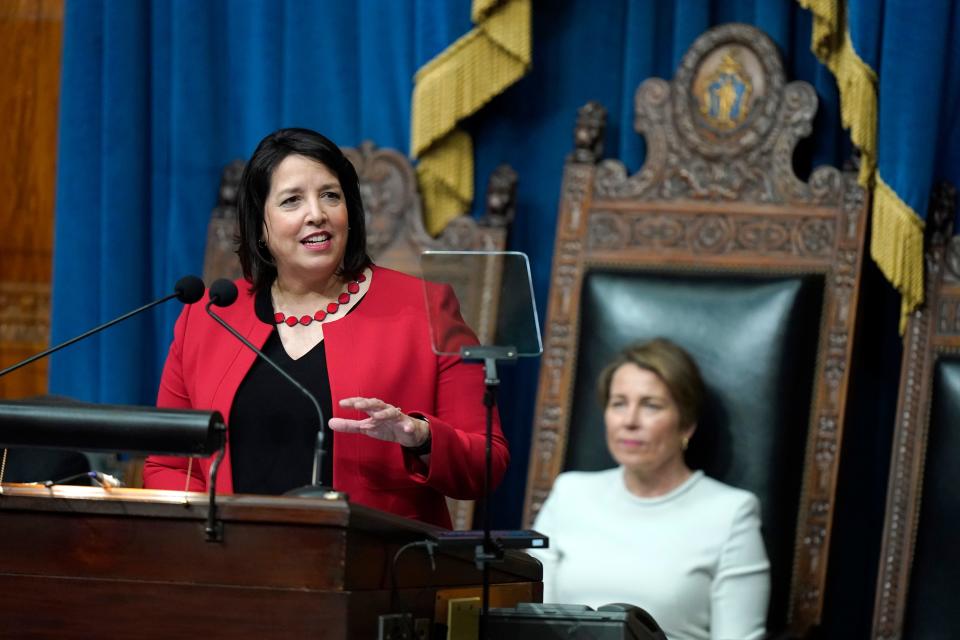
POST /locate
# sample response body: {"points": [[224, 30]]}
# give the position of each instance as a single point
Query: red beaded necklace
{"points": [[332, 308]]}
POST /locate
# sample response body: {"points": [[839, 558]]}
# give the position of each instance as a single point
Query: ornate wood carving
{"points": [[932, 329], [395, 214], [501, 197], [24, 331], [717, 192], [25, 314], [723, 130], [588, 134], [220, 258], [705, 232]]}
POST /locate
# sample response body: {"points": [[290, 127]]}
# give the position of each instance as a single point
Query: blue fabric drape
{"points": [[916, 56], [158, 96]]}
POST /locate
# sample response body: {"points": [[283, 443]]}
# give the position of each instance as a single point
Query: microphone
{"points": [[106, 480], [99, 478], [189, 289], [223, 293]]}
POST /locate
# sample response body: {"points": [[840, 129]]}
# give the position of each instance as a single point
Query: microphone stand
{"points": [[320, 453], [488, 551], [188, 289], [80, 337]]}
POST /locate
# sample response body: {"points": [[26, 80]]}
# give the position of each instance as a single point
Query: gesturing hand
{"points": [[383, 422]]}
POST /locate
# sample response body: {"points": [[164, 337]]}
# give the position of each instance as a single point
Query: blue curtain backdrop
{"points": [[158, 96], [916, 54]]}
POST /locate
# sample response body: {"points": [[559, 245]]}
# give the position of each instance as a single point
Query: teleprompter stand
{"points": [[495, 296]]}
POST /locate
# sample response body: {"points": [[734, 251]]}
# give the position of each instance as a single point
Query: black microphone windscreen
{"points": [[223, 293], [189, 289]]}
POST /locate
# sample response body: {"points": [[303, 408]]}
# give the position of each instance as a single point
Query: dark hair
{"points": [[672, 364], [257, 263]]}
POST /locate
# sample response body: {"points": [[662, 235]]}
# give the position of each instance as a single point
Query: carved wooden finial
{"points": [[367, 149], [501, 198], [941, 209], [588, 134], [229, 187], [940, 217]]}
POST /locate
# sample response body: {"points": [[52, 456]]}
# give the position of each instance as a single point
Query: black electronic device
{"points": [[58, 424], [504, 539], [534, 621]]}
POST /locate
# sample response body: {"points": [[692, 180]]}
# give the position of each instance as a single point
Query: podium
{"points": [[86, 562]]}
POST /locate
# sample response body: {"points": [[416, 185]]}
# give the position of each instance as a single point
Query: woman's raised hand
{"points": [[383, 422]]}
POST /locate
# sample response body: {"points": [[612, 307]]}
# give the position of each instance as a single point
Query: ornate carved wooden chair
{"points": [[918, 580], [396, 235], [716, 244]]}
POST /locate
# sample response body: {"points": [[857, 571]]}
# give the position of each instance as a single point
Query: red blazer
{"points": [[381, 349]]}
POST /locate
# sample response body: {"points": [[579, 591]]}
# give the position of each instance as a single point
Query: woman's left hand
{"points": [[383, 422]]}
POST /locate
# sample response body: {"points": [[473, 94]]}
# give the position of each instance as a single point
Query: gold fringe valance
{"points": [[454, 85], [857, 82], [896, 242], [446, 180]]}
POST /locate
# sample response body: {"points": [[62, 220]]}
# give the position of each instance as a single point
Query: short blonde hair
{"points": [[672, 364]]}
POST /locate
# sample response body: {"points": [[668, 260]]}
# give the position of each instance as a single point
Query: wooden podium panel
{"points": [[82, 562]]}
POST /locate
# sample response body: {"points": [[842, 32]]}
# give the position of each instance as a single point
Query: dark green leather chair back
{"points": [[755, 340], [931, 606]]}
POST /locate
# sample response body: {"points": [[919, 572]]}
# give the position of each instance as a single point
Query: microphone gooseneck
{"points": [[223, 293], [187, 290]]}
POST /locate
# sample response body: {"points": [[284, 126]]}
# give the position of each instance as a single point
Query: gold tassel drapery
{"points": [[896, 240], [454, 85]]}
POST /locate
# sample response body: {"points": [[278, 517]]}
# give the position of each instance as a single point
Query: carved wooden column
{"points": [[932, 329]]}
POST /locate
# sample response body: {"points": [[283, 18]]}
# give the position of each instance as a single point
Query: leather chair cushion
{"points": [[755, 340], [931, 610]]}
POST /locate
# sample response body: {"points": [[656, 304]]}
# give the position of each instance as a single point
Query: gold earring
{"points": [[684, 443]]}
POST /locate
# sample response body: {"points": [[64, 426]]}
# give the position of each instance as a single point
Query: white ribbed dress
{"points": [[693, 558]]}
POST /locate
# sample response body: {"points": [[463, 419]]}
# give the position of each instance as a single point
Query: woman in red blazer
{"points": [[407, 425]]}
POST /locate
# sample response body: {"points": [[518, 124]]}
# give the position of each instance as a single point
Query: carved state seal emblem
{"points": [[725, 94]]}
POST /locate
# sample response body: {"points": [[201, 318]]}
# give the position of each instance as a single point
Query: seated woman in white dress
{"points": [[651, 532]]}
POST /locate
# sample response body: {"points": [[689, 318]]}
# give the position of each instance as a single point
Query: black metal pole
{"points": [[489, 401], [487, 551]]}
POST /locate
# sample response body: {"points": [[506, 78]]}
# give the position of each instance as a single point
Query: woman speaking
{"points": [[406, 426]]}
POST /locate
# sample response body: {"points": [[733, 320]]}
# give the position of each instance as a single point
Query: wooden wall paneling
{"points": [[30, 47]]}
